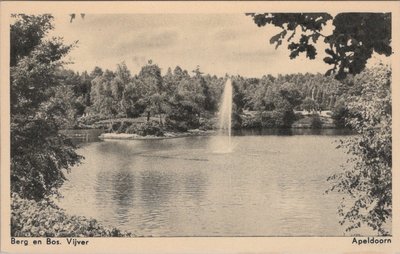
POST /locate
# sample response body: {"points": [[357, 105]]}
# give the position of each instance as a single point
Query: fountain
{"points": [[225, 111], [225, 119]]}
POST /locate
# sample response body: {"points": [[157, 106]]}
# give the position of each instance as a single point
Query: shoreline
{"points": [[167, 135]]}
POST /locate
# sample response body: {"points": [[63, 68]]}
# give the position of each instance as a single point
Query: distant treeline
{"points": [[183, 100]]}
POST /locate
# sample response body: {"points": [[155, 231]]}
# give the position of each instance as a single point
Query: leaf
{"points": [[278, 44], [311, 52], [329, 60], [330, 52], [275, 38], [278, 38], [315, 37], [294, 54]]}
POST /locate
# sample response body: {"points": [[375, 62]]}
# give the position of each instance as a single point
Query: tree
{"points": [[85, 87], [369, 181], [118, 88], [309, 104], [209, 104], [97, 71], [190, 98], [354, 38], [69, 97], [26, 33], [40, 155], [133, 98], [103, 102], [155, 92], [183, 113], [291, 93], [339, 113]]}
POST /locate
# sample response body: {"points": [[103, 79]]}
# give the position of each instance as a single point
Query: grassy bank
{"points": [[166, 135]]}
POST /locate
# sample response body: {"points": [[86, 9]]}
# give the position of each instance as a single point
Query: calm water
{"points": [[270, 185]]}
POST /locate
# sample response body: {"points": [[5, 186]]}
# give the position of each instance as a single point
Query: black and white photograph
{"points": [[251, 124]]}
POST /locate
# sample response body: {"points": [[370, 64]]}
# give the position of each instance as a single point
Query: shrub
{"points": [[91, 119], [207, 124], [236, 121], [268, 119], [123, 127], [298, 116], [147, 128], [45, 219], [316, 122], [150, 128], [252, 122], [132, 129], [340, 113], [181, 126]]}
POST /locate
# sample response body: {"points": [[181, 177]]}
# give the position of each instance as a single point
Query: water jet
{"points": [[225, 118]]}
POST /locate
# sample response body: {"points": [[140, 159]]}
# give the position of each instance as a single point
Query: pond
{"points": [[271, 184]]}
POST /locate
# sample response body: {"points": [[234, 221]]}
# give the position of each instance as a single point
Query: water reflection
{"points": [[119, 149], [119, 189], [195, 185], [123, 185], [156, 187], [269, 185]]}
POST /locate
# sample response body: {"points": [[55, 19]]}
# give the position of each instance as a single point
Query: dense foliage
{"points": [[354, 38], [368, 178], [45, 219], [181, 101], [40, 155]]}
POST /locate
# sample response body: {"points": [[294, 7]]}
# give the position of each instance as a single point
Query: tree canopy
{"points": [[40, 155], [353, 40]]}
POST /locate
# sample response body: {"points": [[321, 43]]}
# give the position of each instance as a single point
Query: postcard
{"points": [[200, 127]]}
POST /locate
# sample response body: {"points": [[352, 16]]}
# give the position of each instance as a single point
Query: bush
{"points": [[207, 124], [123, 127], [132, 129], [252, 122], [340, 113], [180, 126], [143, 129], [298, 116], [91, 119], [151, 128], [45, 219], [268, 119], [237, 121], [316, 122]]}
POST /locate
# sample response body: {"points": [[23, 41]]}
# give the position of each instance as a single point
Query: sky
{"points": [[219, 43]]}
